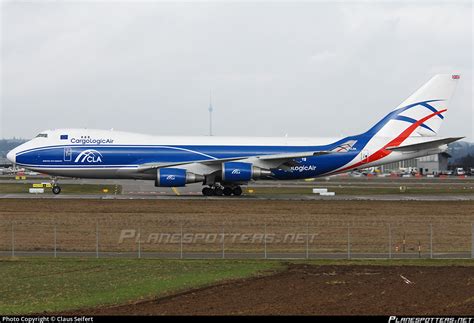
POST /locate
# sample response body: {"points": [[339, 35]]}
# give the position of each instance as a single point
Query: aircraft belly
{"points": [[109, 173]]}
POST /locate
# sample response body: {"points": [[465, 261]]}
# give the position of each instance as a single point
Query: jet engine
{"points": [[175, 177], [242, 172]]}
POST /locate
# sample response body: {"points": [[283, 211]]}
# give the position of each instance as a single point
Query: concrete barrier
{"points": [[319, 190], [36, 190], [327, 193]]}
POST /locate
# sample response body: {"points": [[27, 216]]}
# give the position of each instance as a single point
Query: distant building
{"points": [[397, 166], [433, 164], [4, 162]]}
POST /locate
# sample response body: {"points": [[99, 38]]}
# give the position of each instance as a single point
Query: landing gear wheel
{"points": [[218, 191], [56, 190], [207, 191], [227, 191], [237, 191]]}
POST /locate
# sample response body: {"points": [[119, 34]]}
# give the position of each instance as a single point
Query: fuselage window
{"points": [[42, 135]]}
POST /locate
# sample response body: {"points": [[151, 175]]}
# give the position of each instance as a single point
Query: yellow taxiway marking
{"points": [[175, 190]]}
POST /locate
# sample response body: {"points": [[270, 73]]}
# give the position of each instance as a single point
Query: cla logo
{"points": [[89, 156], [236, 171], [170, 178]]}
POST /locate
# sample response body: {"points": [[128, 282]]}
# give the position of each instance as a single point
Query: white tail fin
{"points": [[425, 109]]}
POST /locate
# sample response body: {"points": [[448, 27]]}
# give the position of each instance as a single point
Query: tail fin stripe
{"points": [[392, 115], [423, 103], [431, 108], [381, 153], [405, 134], [408, 119]]}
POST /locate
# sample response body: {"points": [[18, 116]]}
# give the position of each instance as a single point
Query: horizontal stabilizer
{"points": [[425, 145]]}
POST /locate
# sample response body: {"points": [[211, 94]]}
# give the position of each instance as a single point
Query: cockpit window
{"points": [[42, 135]]}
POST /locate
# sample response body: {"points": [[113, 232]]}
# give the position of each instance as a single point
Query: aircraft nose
{"points": [[11, 156]]}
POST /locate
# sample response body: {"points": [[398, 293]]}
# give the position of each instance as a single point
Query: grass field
{"points": [[364, 190], [76, 222], [14, 188], [46, 285], [339, 185], [37, 285]]}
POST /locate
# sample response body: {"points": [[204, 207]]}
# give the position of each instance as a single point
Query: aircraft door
{"points": [[67, 153], [365, 156]]}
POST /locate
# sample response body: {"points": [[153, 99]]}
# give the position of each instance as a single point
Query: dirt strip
{"points": [[324, 290]]}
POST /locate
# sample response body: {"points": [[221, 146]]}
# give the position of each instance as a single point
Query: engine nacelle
{"points": [[175, 177], [242, 172]]}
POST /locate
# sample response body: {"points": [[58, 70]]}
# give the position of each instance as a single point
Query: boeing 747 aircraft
{"points": [[223, 164]]}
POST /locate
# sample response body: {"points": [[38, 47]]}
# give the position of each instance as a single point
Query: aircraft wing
{"points": [[208, 162], [265, 161], [283, 160], [425, 145], [294, 155]]}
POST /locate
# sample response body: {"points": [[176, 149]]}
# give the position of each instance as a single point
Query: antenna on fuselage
{"points": [[210, 112]]}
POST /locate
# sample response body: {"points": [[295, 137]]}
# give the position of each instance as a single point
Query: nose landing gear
{"points": [[56, 189]]}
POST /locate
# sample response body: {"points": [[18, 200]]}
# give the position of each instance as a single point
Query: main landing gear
{"points": [[56, 189], [219, 190]]}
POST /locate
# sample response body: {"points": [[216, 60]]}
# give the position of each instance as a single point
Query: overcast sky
{"points": [[302, 69]]}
